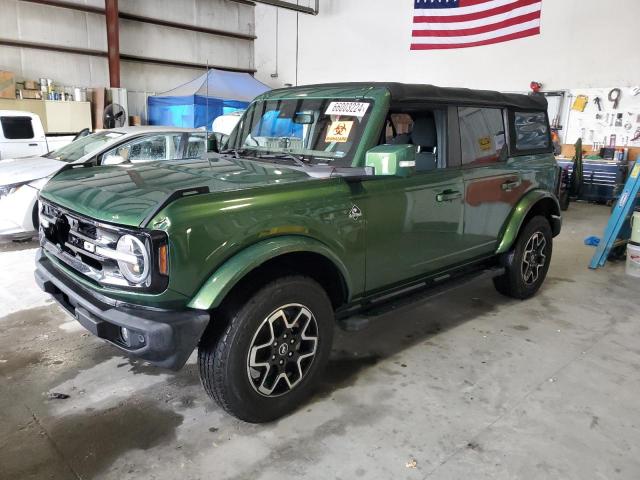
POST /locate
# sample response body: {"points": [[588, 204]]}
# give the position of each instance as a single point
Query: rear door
{"points": [[492, 186]]}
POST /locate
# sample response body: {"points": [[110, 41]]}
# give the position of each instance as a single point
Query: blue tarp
{"points": [[198, 102]]}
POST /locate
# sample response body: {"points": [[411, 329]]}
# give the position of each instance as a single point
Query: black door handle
{"points": [[448, 196], [510, 185]]}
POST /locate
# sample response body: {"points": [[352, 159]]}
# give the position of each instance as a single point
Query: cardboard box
{"points": [[31, 85], [7, 84], [36, 94]]}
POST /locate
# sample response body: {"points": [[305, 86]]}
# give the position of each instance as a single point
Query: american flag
{"points": [[443, 24]]}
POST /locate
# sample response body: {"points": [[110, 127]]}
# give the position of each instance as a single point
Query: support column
{"points": [[113, 42]]}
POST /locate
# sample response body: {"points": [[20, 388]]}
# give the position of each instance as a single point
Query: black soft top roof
{"points": [[405, 92]]}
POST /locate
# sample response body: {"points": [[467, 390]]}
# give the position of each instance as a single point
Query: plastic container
{"points": [[635, 228], [633, 260]]}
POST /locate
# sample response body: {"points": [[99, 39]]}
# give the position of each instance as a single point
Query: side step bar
{"points": [[420, 292]]}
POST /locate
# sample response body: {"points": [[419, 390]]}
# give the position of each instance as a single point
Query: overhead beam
{"points": [[145, 19], [123, 56], [291, 6]]}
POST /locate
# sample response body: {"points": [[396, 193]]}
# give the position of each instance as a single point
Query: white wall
{"points": [[584, 43], [59, 26]]}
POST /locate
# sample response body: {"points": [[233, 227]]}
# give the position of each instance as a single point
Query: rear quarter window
{"points": [[17, 128], [530, 132]]}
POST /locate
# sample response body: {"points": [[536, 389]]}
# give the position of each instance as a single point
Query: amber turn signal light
{"points": [[163, 261]]}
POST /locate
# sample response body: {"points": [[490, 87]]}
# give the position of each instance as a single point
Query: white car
{"points": [[22, 178]]}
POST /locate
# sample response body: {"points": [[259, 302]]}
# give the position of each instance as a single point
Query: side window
{"points": [[17, 128], [424, 128], [399, 127], [196, 145], [531, 131], [482, 135], [148, 149]]}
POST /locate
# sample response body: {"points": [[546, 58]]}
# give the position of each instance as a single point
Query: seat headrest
{"points": [[424, 132]]}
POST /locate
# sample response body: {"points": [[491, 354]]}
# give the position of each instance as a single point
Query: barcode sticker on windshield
{"points": [[351, 109]]}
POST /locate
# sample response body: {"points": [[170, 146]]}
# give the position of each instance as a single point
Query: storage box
{"points": [[31, 85], [35, 94], [7, 84]]}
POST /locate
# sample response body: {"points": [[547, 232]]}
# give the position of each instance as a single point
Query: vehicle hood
{"points": [[23, 170], [128, 194]]}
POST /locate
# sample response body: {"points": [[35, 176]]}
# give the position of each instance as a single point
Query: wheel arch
{"points": [[536, 202], [271, 258]]}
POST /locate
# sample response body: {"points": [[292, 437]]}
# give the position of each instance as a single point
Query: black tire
{"points": [[524, 277], [224, 357]]}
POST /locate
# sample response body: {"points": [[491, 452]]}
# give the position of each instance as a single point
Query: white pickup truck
{"points": [[22, 135]]}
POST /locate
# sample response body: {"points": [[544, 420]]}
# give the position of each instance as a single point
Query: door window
{"points": [[532, 131], [17, 128], [424, 128], [148, 149], [196, 145], [482, 135]]}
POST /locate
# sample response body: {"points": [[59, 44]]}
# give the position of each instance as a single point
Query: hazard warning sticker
{"points": [[339, 132], [485, 143]]}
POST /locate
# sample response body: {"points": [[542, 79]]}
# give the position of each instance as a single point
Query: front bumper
{"points": [[16, 214], [164, 338]]}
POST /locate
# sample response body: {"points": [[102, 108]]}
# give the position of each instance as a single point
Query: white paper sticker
{"points": [[351, 109]]}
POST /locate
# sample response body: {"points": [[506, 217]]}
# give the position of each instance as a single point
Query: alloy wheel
{"points": [[282, 350], [534, 258]]}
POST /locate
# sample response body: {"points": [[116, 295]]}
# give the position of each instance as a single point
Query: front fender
{"points": [[520, 212], [234, 269]]}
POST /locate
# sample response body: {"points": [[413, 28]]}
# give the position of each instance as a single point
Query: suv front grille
{"points": [[87, 246]]}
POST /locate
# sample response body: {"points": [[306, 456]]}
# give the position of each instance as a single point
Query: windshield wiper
{"points": [[299, 160]]}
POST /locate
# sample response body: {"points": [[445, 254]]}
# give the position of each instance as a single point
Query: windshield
{"points": [[325, 131], [83, 146]]}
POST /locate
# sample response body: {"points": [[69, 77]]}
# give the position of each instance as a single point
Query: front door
{"points": [[414, 225]]}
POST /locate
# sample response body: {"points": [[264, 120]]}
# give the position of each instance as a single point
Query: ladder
{"points": [[619, 216]]}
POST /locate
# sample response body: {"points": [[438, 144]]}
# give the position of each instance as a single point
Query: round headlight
{"points": [[134, 264]]}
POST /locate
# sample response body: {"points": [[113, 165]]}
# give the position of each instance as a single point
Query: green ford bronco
{"points": [[325, 205]]}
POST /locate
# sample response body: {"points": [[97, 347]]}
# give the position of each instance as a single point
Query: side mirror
{"points": [[398, 160], [113, 160], [217, 142]]}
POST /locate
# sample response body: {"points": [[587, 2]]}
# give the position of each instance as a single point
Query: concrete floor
{"points": [[469, 385]]}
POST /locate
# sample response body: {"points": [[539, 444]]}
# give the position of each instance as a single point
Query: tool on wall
{"points": [[598, 102], [614, 96], [580, 103]]}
